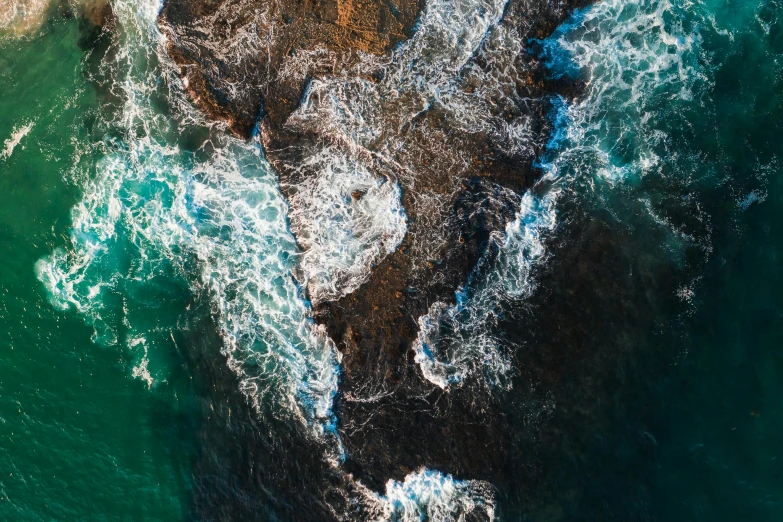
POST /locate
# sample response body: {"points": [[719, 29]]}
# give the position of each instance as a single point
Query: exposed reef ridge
{"points": [[412, 127]]}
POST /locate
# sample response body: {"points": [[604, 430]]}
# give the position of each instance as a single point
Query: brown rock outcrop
{"points": [[452, 107]]}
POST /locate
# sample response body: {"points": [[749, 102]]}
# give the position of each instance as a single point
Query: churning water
{"points": [[142, 208]]}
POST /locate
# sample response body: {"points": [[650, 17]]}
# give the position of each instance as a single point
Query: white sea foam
{"points": [[361, 120], [457, 341], [141, 370], [153, 208], [449, 33], [17, 135], [420, 72], [432, 496], [21, 16], [634, 54], [640, 60], [227, 214], [345, 219]]}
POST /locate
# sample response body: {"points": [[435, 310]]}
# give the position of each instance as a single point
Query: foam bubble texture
{"points": [[345, 219], [152, 209], [431, 495], [641, 60], [635, 55], [456, 341], [361, 121]]}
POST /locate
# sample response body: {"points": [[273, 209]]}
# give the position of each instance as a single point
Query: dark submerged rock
{"points": [[459, 185]]}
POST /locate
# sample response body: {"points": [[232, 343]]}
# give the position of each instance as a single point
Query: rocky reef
{"points": [[412, 127]]}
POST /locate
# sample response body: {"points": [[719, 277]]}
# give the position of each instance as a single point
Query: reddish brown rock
{"points": [[458, 134]]}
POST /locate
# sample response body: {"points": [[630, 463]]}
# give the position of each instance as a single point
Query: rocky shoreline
{"points": [[461, 152]]}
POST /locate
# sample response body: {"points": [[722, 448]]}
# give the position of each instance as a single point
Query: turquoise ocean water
{"points": [[80, 436]]}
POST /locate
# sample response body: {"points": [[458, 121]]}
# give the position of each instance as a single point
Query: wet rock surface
{"points": [[231, 52], [453, 116]]}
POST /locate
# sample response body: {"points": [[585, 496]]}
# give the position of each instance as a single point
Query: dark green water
{"points": [[720, 457], [662, 319], [669, 249], [79, 437]]}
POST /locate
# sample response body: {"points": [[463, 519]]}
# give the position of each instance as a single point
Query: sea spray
{"points": [[152, 208], [17, 135], [639, 61], [430, 495]]}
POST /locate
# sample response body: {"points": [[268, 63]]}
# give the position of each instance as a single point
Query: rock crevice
{"points": [[444, 101]]}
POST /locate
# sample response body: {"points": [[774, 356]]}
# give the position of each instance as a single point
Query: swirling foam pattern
{"points": [[153, 208], [639, 60]]}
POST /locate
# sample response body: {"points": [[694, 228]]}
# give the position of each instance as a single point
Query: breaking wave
{"points": [[215, 220], [18, 133], [215, 217], [346, 220], [457, 341], [433, 496], [640, 60]]}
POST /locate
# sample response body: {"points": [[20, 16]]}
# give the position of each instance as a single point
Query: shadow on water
{"points": [[635, 400], [249, 464], [648, 375]]}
